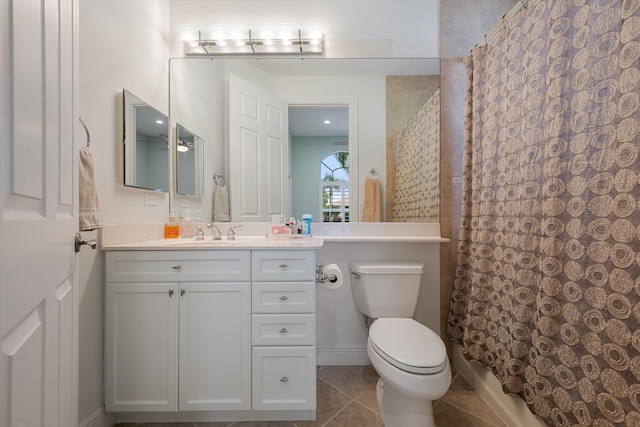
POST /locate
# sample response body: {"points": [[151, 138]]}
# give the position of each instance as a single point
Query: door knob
{"points": [[79, 242]]}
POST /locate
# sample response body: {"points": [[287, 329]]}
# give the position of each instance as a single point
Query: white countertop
{"points": [[146, 236]]}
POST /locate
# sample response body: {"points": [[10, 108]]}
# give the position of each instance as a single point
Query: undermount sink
{"points": [[245, 242], [208, 242]]}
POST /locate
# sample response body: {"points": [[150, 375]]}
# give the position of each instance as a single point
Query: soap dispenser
{"points": [[171, 228]]}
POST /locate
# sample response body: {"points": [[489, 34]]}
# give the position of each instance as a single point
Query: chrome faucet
{"points": [[231, 234], [199, 233], [214, 228]]}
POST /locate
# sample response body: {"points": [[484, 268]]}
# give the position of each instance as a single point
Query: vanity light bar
{"points": [[207, 44]]}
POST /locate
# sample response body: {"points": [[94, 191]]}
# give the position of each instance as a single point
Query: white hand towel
{"points": [[220, 203], [89, 205]]}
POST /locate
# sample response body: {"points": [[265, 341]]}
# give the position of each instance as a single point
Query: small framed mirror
{"points": [[145, 143], [189, 162]]}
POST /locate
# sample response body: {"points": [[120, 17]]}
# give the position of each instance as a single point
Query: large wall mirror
{"points": [[145, 144], [372, 105]]}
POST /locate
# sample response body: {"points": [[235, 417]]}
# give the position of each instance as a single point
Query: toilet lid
{"points": [[408, 345]]}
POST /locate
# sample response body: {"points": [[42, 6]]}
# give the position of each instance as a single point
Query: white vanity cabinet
{"points": [[177, 331], [283, 330]]}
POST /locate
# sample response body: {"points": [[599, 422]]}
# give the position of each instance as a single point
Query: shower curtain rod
{"points": [[503, 21]]}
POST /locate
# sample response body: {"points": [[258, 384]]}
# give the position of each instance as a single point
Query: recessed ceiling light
{"points": [[159, 122], [327, 122]]}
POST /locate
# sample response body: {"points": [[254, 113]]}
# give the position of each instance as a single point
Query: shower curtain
{"points": [[547, 288], [417, 180]]}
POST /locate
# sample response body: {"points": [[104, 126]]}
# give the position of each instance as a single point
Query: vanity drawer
{"points": [[295, 297], [269, 266], [284, 378], [284, 329], [178, 266]]}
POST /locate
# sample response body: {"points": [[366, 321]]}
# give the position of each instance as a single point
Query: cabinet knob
{"points": [[283, 266], [177, 267], [284, 379], [283, 298], [283, 331], [182, 291], [170, 293]]}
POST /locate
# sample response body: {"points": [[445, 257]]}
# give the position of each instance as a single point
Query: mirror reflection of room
{"points": [[380, 98], [189, 156], [145, 145], [320, 182]]}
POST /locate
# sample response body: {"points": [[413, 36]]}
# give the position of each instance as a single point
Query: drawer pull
{"points": [[170, 293], [284, 379], [283, 298], [283, 266], [283, 331], [177, 267]]}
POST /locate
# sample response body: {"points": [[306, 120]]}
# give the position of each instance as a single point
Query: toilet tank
{"points": [[385, 288]]}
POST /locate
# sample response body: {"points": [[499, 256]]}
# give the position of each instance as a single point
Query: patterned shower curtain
{"points": [[547, 288], [417, 180]]}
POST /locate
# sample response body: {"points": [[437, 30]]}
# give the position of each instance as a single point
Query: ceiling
{"points": [[309, 121]]}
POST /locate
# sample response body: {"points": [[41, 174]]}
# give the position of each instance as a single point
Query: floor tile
{"points": [[447, 415], [356, 415], [262, 424], [352, 380], [347, 398], [462, 395], [369, 399], [330, 401]]}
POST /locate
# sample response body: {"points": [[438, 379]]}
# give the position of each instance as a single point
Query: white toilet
{"points": [[410, 358]]}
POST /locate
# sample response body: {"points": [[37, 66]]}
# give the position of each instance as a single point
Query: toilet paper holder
{"points": [[322, 277]]}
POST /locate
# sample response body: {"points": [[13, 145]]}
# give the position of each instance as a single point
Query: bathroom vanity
{"points": [[227, 331], [206, 331]]}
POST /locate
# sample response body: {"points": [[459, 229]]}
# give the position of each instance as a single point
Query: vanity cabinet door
{"points": [[215, 342], [141, 347]]}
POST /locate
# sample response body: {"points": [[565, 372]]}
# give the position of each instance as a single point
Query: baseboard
{"points": [[99, 418], [513, 410], [341, 357]]}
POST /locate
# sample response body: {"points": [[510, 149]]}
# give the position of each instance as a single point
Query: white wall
{"points": [[123, 44], [342, 334], [353, 28]]}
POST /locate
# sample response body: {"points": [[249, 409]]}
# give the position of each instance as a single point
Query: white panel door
{"points": [[38, 221], [215, 346], [258, 152]]}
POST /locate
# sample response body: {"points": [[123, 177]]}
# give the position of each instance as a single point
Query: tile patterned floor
{"points": [[347, 398]]}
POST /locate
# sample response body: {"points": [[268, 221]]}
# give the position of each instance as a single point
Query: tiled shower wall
{"points": [[463, 24], [405, 96]]}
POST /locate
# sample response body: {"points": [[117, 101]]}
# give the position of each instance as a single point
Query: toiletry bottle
{"points": [[188, 228], [306, 223], [298, 227], [171, 228], [181, 224]]}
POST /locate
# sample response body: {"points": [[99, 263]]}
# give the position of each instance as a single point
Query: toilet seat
{"points": [[408, 345]]}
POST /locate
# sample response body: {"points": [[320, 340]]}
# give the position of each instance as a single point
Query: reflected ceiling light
{"points": [[327, 122], [210, 41], [183, 146]]}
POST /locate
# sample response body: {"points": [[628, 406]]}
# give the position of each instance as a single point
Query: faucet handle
{"points": [[231, 233], [199, 233]]}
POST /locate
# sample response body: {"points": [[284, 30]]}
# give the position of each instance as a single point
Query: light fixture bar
{"points": [[221, 41]]}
